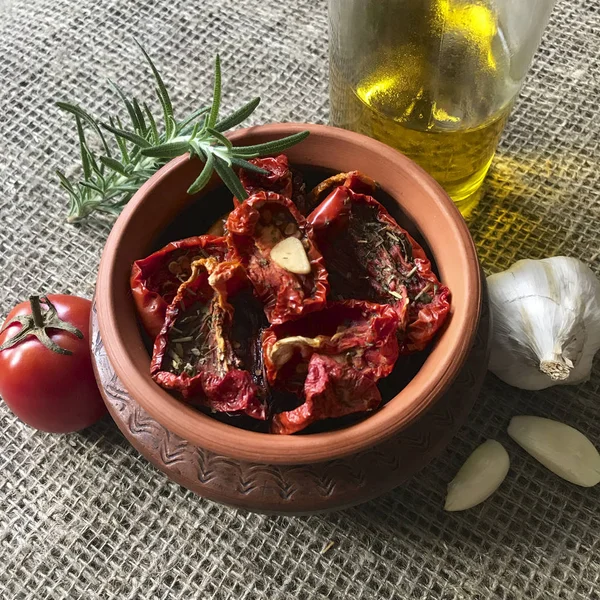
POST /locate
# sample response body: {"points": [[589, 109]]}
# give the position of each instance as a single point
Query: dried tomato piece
{"points": [[199, 351], [330, 391], [255, 228], [282, 179], [363, 333], [333, 358], [156, 278], [279, 179], [369, 256], [355, 180]]}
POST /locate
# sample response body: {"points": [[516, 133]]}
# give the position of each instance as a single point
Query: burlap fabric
{"points": [[83, 516]]}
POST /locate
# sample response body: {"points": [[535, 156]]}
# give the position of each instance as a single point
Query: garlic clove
{"points": [[283, 350], [479, 477], [290, 255], [559, 447]]}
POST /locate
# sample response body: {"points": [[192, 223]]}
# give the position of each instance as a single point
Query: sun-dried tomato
{"points": [[282, 179], [255, 227], [330, 391], [355, 180], [369, 256], [156, 278], [206, 348], [333, 359]]}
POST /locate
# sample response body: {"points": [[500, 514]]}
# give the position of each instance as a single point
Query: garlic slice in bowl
{"points": [[559, 447], [479, 477], [290, 255]]}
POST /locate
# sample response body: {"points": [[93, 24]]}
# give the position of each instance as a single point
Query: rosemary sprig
{"points": [[111, 178]]}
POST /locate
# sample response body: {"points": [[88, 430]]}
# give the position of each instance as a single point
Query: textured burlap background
{"points": [[83, 516]]}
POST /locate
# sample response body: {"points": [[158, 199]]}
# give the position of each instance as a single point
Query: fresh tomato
{"points": [[46, 375]]}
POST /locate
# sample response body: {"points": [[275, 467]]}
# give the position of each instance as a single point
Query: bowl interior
{"points": [[162, 211], [199, 216]]}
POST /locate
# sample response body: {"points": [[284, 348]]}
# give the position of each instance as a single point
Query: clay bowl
{"points": [[413, 198]]}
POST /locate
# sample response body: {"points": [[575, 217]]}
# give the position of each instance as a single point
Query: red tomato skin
{"points": [[49, 391]]}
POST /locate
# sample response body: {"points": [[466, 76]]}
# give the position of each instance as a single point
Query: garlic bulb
{"points": [[546, 322]]}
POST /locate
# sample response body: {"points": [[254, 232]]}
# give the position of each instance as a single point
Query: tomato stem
{"points": [[36, 311], [37, 323]]}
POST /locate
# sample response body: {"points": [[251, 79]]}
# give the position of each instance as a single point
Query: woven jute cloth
{"points": [[84, 516]]}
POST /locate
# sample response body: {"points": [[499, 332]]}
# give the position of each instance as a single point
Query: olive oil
{"points": [[438, 89]]}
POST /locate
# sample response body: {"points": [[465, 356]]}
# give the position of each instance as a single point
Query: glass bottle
{"points": [[435, 79]]}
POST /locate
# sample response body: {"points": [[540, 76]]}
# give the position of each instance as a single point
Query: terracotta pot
{"points": [[421, 199]]}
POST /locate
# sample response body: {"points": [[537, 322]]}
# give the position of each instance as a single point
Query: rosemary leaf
{"points": [[65, 182], [74, 199], [152, 124], [167, 150], [273, 147], [128, 105], [98, 169], [216, 103], [138, 140], [240, 115], [204, 176], [85, 161], [87, 118], [125, 188], [92, 186], [230, 179], [163, 94], [170, 127], [120, 142], [248, 166], [115, 165], [220, 138], [109, 209], [193, 117], [140, 117]]}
